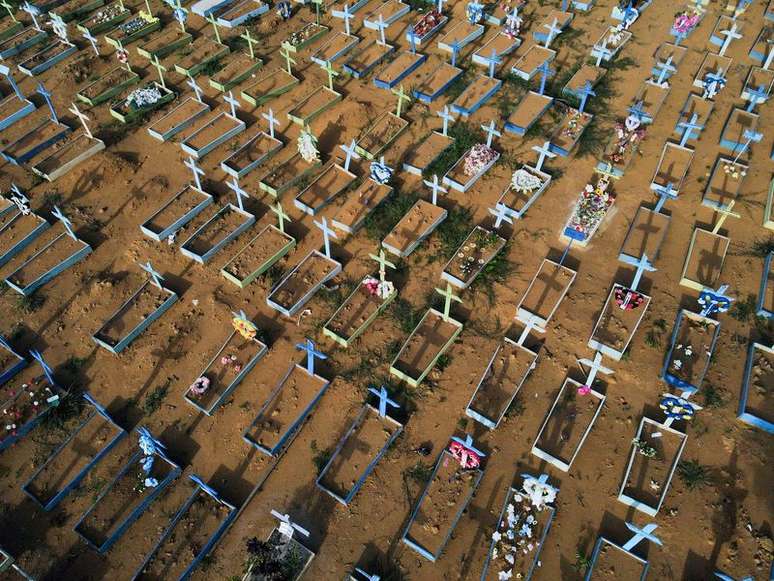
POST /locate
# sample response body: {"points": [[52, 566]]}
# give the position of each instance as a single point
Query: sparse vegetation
{"points": [[743, 310], [465, 136], [419, 472], [582, 562], [154, 399], [319, 457], [384, 218], [693, 474], [30, 303]]}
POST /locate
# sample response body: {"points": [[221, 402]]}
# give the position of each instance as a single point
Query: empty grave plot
{"points": [[460, 34], [758, 78], [176, 212], [217, 130], [545, 292], [338, 44], [611, 562], [17, 231], [739, 123], [646, 234], [380, 135], [413, 227], [258, 256], [705, 259], [167, 41], [218, 231], [107, 86], [200, 53], [272, 85], [756, 406], [237, 69], [725, 183], [695, 105], [567, 425], [431, 338], [527, 112], [357, 311], [46, 58], [228, 366], [620, 318], [667, 50], [12, 109], [398, 69], [500, 383], [179, 119], [285, 410], [476, 251], [298, 286], [435, 82], [359, 205], [390, 11], [475, 95], [65, 155], [35, 141], [440, 506], [318, 101], [527, 65], [585, 74], [332, 181], [76, 8], [366, 58], [652, 462], [249, 156], [286, 174], [21, 41], [501, 44], [419, 158], [357, 454], [672, 166], [690, 354], [239, 12]]}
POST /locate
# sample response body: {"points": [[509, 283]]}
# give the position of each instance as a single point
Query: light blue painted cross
{"points": [[638, 110], [350, 151], [384, 400], [156, 277], [493, 60], [233, 102], [43, 92], [436, 187], [640, 534], [308, 346], [716, 301], [585, 92], [545, 71], [564, 5], [455, 49], [92, 40], [756, 97], [642, 265], [730, 35], [491, 132], [446, 116], [665, 68], [413, 40], [381, 25], [383, 263], [49, 373], [543, 151], [238, 191], [501, 214], [667, 192], [679, 37], [439, 6], [725, 577], [6, 72], [281, 215], [346, 15], [553, 31], [327, 232], [22, 201], [749, 136], [288, 527], [34, 13], [566, 251], [688, 128], [204, 486], [190, 163], [65, 222], [602, 52], [368, 577], [191, 82], [272, 120]]}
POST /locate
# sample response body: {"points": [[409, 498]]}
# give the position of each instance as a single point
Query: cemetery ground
{"points": [[717, 512]]}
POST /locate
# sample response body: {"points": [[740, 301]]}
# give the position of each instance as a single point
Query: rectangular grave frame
{"points": [[96, 146], [476, 33], [277, 190], [372, 155], [26, 107], [638, 504], [116, 35], [121, 528], [481, 56], [668, 377], [9, 372], [519, 214], [212, 541], [749, 83], [180, 222], [108, 24], [541, 37], [112, 91], [410, 168], [742, 414], [630, 258], [54, 501], [510, 124], [8, 49], [468, 111], [10, 29], [359, 419], [428, 98], [332, 194], [444, 456], [295, 426], [524, 315], [358, 73], [244, 282], [766, 276], [352, 42], [418, 240], [354, 226], [249, 220], [242, 66], [420, 40], [242, 172], [32, 69], [257, 101], [239, 127], [76, 9], [583, 239], [418, 60], [167, 95], [654, 185], [461, 284], [601, 50], [303, 300], [196, 68], [735, 143], [225, 21], [322, 31], [493, 422], [616, 354], [28, 238], [262, 349], [347, 341], [415, 382], [768, 217], [553, 460], [716, 168], [8, 563], [203, 109], [295, 117], [565, 151], [52, 273], [688, 282], [698, 79], [132, 334], [182, 39], [761, 41], [598, 548], [464, 187], [32, 149], [370, 20]]}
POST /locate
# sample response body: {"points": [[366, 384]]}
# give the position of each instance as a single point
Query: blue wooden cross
{"points": [[491, 132], [585, 92], [92, 40], [6, 72], [384, 400], [749, 136], [566, 251], [37, 356], [564, 5], [493, 60], [756, 97], [630, 12], [346, 15], [287, 526], [272, 121], [436, 187], [642, 265], [679, 36], [233, 101], [714, 301], [640, 534], [412, 40], [190, 163], [602, 52], [455, 48], [191, 82], [204, 486], [33, 12], [42, 91], [327, 233], [350, 151], [667, 192], [311, 353], [156, 277], [238, 191], [553, 31], [543, 151], [501, 214], [637, 110], [711, 79], [665, 68], [446, 116], [546, 71], [439, 5], [65, 222], [467, 443], [688, 129]]}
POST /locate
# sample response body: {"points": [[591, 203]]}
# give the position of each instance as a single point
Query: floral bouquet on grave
{"points": [[143, 97], [200, 386], [711, 85], [378, 289], [474, 12], [150, 447], [479, 156], [467, 458], [107, 13], [300, 36], [247, 329], [676, 407], [629, 134], [575, 125], [307, 146], [628, 299], [427, 23], [519, 531], [380, 172], [592, 207], [33, 400], [525, 181], [616, 36], [686, 21]]}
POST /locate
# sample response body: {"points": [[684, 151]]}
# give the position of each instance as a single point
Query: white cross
{"points": [[543, 151], [272, 121], [350, 152], [60, 28], [532, 323], [234, 102], [501, 214], [730, 35], [750, 136], [42, 91], [595, 367], [65, 222], [601, 51], [439, 6], [346, 15], [446, 116], [156, 278], [22, 202], [83, 119], [381, 26], [553, 31], [645, 532], [196, 88], [436, 187], [240, 193], [287, 526], [33, 12], [190, 163], [94, 42], [327, 233], [491, 132]]}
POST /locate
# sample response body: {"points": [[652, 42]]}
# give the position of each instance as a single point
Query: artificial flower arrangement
{"points": [[479, 156], [676, 407], [686, 21], [575, 125], [628, 299], [427, 23], [202, 384], [525, 181], [467, 458], [629, 134], [143, 97], [592, 206], [373, 287], [301, 36], [134, 24], [33, 399], [107, 13], [474, 12], [150, 447], [307, 146]]}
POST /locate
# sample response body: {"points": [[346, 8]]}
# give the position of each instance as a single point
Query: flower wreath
{"points": [[628, 299], [676, 407], [466, 457]]}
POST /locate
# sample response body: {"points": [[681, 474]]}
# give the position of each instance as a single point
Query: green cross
{"points": [[381, 259], [285, 52], [402, 96], [250, 40], [9, 8], [328, 68], [449, 296], [160, 68], [214, 23], [317, 4], [281, 215]]}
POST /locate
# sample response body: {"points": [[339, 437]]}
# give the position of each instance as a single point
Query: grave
{"points": [[649, 99], [531, 108], [366, 58], [551, 26], [758, 85], [63, 156], [711, 74], [755, 400], [337, 45], [167, 41], [178, 119], [75, 9], [672, 167], [478, 249], [768, 216], [312, 105], [295, 289], [390, 12], [241, 12], [623, 146], [385, 129], [324, 188], [132, 30], [305, 36], [474, 163], [500, 44], [287, 174], [416, 225], [398, 69], [690, 350], [567, 132], [695, 111], [108, 86], [585, 74], [255, 151], [136, 314], [219, 129], [460, 35], [704, 259], [739, 130], [199, 54], [760, 50], [435, 83], [15, 106], [426, 27], [273, 85], [46, 58], [19, 229], [21, 41], [726, 30], [286, 553], [105, 18], [430, 148], [590, 211], [545, 293], [765, 305], [141, 101], [8, 565], [239, 68], [525, 186], [528, 65], [611, 559], [41, 136], [475, 95], [218, 231], [11, 362], [645, 236], [610, 43]]}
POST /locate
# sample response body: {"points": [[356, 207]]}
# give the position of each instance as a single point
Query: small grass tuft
{"points": [[154, 399], [30, 303], [383, 219], [419, 472], [693, 474]]}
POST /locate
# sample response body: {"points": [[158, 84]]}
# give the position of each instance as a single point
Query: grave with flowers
{"points": [[711, 77], [427, 26], [478, 249], [295, 168], [398, 69], [590, 210], [328, 184], [545, 293], [366, 302], [289, 404], [165, 42], [569, 129], [303, 37], [261, 253], [216, 131], [141, 101], [19, 227], [199, 54], [685, 22], [622, 314], [25, 399], [371, 192], [755, 399], [48, 258], [255, 151], [707, 253], [529, 64], [390, 12], [500, 382], [21, 41], [137, 313], [474, 163], [281, 551], [610, 43], [611, 559], [132, 30], [11, 362], [76, 457], [431, 338], [138, 483], [296, 287], [522, 528], [501, 44], [360, 449], [108, 86], [106, 18], [454, 480], [367, 57], [526, 185], [220, 229], [761, 49], [623, 146], [276, 83], [385, 129], [429, 149], [192, 533], [180, 118], [672, 167], [416, 224]]}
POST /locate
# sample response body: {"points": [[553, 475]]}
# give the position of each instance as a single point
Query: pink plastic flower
{"points": [[584, 390]]}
